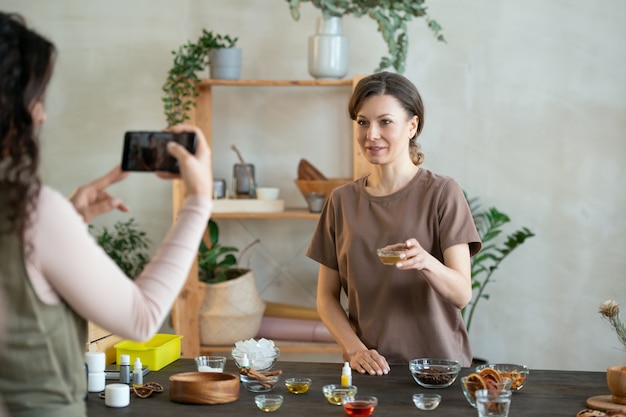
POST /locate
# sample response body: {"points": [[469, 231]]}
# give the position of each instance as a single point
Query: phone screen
{"points": [[146, 151]]}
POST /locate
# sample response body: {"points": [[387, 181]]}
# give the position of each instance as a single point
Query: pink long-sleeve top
{"points": [[67, 264]]}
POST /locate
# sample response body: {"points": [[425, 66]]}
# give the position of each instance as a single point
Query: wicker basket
{"points": [[320, 186]]}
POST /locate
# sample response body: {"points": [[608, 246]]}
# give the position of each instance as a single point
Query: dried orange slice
{"points": [[473, 383], [490, 375]]}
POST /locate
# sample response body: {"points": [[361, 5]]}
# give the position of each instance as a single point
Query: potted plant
{"points": [[126, 244], [615, 375], [182, 79], [232, 309], [391, 16], [496, 248]]}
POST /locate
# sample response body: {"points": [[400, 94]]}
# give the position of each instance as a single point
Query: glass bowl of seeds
{"points": [[434, 373]]}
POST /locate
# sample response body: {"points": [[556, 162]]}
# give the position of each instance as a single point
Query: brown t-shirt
{"points": [[396, 312]]}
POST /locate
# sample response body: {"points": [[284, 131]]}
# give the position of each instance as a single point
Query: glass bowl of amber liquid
{"points": [[390, 255]]}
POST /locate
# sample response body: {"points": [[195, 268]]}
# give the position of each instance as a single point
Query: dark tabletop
{"points": [[546, 393]]}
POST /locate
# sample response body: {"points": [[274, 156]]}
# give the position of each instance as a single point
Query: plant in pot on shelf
{"points": [[126, 244], [615, 375], [391, 16], [180, 88], [232, 309], [496, 248]]}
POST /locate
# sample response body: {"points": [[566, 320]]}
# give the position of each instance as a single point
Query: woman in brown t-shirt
{"points": [[413, 309]]}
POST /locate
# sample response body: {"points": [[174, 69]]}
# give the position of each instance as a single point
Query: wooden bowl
{"points": [[320, 186], [204, 388]]}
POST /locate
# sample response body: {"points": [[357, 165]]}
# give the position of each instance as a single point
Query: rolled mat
{"points": [[280, 328]]}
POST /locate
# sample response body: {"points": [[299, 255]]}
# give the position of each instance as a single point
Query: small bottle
{"points": [[346, 375], [245, 362], [137, 373], [125, 369]]}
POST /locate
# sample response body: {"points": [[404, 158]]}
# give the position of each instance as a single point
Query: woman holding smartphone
{"points": [[53, 274]]}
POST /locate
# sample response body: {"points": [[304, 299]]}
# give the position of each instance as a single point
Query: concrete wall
{"points": [[526, 108]]}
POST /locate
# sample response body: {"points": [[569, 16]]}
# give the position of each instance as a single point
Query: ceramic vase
{"points": [[616, 380], [328, 50], [225, 63], [231, 311]]}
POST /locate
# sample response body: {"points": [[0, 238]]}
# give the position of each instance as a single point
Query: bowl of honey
{"points": [[298, 385]]}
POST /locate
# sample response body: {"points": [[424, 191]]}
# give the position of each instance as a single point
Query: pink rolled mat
{"points": [[281, 328]]}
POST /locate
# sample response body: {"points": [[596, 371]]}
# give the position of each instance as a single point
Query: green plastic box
{"points": [[156, 353]]}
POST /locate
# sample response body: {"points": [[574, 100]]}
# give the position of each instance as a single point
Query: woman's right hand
{"points": [[195, 169]]}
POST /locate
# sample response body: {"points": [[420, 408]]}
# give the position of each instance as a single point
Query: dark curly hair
{"points": [[398, 86], [26, 62]]}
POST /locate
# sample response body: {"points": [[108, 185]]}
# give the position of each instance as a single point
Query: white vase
{"points": [[328, 50], [231, 311]]}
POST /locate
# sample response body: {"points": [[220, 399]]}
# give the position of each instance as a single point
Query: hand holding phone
{"points": [[146, 150]]}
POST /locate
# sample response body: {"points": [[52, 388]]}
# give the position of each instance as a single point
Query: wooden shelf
{"points": [[288, 213], [185, 319], [274, 83]]}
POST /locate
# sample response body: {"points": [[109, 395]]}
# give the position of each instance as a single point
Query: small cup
{"points": [[426, 401], [117, 395], [267, 193], [493, 403], [315, 201], [210, 363]]}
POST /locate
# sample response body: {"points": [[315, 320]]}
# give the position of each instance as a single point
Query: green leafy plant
{"points": [[126, 244], [391, 17], [182, 79], [218, 263], [496, 248]]}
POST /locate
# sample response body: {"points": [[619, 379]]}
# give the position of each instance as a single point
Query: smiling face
{"points": [[384, 130]]}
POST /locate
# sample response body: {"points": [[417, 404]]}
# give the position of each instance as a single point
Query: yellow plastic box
{"points": [[156, 353]]}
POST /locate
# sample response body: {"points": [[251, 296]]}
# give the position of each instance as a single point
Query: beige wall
{"points": [[526, 108]]}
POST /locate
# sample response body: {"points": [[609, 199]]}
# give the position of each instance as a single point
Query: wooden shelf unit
{"points": [[185, 319]]}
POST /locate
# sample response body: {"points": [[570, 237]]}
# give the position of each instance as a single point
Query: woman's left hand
{"points": [[92, 200]]}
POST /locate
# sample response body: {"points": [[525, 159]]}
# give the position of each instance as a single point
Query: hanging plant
{"points": [[180, 86], [391, 17]]}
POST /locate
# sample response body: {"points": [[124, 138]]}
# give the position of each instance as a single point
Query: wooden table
{"points": [[553, 393]]}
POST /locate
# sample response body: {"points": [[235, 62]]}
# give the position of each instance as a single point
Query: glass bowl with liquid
{"points": [[359, 405], [298, 385], [336, 393], [391, 255], [268, 402]]}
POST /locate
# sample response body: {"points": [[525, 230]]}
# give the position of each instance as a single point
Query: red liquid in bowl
{"points": [[359, 408]]}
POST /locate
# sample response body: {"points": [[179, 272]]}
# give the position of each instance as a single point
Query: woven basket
{"points": [[320, 186], [232, 310]]}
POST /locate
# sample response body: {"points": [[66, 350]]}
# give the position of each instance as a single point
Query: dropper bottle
{"points": [[346, 375], [137, 373]]}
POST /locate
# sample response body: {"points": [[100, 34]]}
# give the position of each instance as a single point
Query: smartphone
{"points": [[146, 151]]}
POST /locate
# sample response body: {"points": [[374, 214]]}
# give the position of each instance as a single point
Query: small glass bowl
{"points": [[389, 256], [434, 373], [268, 402], [260, 361], [359, 405], [425, 401], [210, 363], [517, 373], [255, 385], [298, 385], [336, 393]]}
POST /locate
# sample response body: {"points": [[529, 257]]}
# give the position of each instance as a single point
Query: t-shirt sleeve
{"points": [[85, 278], [322, 247], [455, 219]]}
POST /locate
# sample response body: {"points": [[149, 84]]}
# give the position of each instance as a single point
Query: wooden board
{"points": [[604, 403]]}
